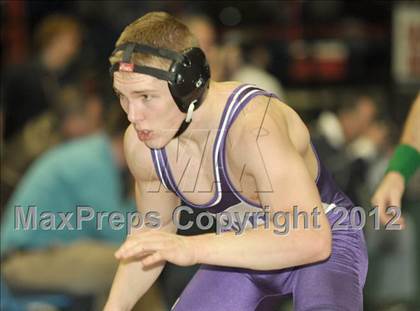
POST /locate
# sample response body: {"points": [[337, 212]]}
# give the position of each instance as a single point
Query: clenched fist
{"points": [[389, 193]]}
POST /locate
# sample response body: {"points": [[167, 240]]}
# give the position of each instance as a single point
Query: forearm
{"points": [[263, 249], [131, 282], [406, 157]]}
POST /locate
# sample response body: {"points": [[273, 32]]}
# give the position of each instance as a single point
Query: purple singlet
{"points": [[334, 284]]}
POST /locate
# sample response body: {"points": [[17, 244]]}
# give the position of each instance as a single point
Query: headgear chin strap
{"points": [[188, 76]]}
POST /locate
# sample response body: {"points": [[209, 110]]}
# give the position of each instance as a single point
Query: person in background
{"points": [[254, 59], [31, 88], [392, 280], [77, 112], [87, 172], [403, 164], [203, 28], [332, 135], [397, 252]]}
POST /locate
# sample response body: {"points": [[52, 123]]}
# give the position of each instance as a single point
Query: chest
{"points": [[197, 172]]}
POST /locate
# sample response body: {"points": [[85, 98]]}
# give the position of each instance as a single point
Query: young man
{"points": [[39, 246], [225, 147]]}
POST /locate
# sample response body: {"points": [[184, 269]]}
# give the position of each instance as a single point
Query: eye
{"points": [[146, 98]]}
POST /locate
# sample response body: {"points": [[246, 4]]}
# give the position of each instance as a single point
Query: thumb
{"points": [[381, 201], [395, 202]]}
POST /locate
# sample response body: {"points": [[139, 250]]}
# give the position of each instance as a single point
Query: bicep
{"points": [[281, 175]]}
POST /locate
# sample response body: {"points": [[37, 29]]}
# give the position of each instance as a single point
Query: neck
{"points": [[204, 119], [117, 147]]}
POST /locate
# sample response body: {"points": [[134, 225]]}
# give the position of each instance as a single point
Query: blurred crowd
{"points": [[61, 148]]}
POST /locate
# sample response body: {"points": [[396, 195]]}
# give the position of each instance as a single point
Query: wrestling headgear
{"points": [[188, 76]]}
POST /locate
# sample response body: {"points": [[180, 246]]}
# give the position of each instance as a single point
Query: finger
{"points": [[376, 199], [136, 251], [140, 249], [126, 246], [135, 241], [395, 200], [124, 249], [395, 220], [152, 259], [380, 202], [384, 217], [384, 201]]}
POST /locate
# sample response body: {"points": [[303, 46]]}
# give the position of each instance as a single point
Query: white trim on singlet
{"points": [[221, 137], [328, 207], [233, 107], [218, 194], [228, 181], [156, 155]]}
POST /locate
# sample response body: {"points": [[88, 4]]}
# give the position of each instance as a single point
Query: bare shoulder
{"points": [[269, 133], [138, 155], [269, 119]]}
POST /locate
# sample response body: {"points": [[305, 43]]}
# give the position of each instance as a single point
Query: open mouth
{"points": [[144, 135]]}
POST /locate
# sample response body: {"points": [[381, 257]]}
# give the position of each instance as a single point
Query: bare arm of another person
{"points": [[132, 280], [391, 189]]}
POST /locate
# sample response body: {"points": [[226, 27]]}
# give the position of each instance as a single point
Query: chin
{"points": [[156, 143]]}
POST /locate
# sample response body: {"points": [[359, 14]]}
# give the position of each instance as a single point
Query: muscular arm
{"points": [[132, 280], [289, 184]]}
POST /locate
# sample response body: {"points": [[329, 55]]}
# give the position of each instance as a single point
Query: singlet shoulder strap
{"points": [[236, 109], [159, 163], [160, 160]]}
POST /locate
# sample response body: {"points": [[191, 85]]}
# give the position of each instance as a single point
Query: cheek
{"points": [[124, 106], [168, 119], [173, 114], [165, 110]]}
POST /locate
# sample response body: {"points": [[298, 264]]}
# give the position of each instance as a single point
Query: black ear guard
{"points": [[188, 76], [192, 78]]}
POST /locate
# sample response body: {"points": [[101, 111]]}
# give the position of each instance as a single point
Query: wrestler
{"points": [[221, 146]]}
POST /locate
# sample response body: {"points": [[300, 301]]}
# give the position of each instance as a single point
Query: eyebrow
{"points": [[136, 91]]}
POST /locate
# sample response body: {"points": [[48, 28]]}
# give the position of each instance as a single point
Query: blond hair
{"points": [[53, 26], [159, 30]]}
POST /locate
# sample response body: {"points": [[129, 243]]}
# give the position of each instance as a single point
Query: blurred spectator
{"points": [[76, 113], [249, 61], [202, 27], [332, 135], [30, 88], [86, 172], [393, 278]]}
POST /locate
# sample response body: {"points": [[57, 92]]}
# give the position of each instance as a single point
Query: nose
{"points": [[135, 113]]}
